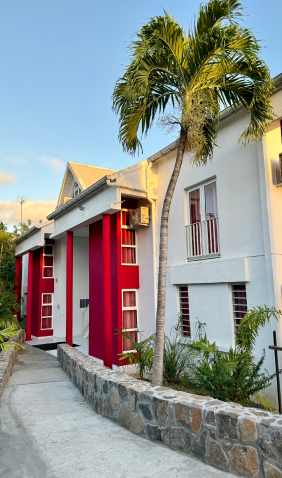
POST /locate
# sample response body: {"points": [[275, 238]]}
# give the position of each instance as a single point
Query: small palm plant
{"points": [[142, 352], [184, 77], [233, 376]]}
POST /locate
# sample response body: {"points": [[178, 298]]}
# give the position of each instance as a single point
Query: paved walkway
{"points": [[49, 431]]}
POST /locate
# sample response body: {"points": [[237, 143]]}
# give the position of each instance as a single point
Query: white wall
{"points": [[80, 284], [241, 231], [59, 314], [80, 280]]}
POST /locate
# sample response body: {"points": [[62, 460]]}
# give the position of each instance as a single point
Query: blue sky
{"points": [[59, 62]]}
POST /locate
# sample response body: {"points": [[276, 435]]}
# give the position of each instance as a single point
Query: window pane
{"points": [[48, 272], [48, 250], [82, 303], [184, 311], [125, 218], [128, 255], [129, 318], [126, 344], [128, 237], [239, 299], [48, 260], [195, 212], [47, 299], [46, 310], [211, 202], [129, 299], [47, 323]]}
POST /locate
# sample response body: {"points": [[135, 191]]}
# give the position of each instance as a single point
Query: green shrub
{"points": [[177, 358], [234, 376], [232, 379]]}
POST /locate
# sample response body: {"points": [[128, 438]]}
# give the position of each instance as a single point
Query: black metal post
{"points": [[277, 372]]}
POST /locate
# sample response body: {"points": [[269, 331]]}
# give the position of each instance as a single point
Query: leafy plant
{"points": [[176, 359], [8, 305], [234, 379], [142, 353], [249, 327], [233, 376], [5, 334]]}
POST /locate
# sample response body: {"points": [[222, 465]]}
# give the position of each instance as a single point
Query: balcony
{"points": [[202, 240]]}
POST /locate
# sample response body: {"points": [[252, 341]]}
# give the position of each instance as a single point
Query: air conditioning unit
{"points": [[139, 217]]}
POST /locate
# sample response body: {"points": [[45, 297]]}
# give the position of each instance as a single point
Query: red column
{"points": [[18, 283], [29, 296], [107, 290], [69, 288]]}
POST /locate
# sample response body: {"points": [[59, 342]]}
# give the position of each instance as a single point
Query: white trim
{"points": [[181, 335], [128, 245], [130, 308], [47, 316], [48, 267]]}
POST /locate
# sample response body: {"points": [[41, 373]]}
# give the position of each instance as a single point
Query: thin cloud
{"points": [[20, 160], [54, 163], [7, 178], [10, 212]]}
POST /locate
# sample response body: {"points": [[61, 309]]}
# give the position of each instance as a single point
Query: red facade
{"points": [[38, 285], [121, 277]]}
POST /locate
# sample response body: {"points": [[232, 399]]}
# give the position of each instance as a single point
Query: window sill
{"points": [[202, 258]]}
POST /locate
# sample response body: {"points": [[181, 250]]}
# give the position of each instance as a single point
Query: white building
{"points": [[224, 253]]}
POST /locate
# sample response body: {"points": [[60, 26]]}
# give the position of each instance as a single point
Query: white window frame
{"points": [[77, 189], [200, 186], [128, 246], [233, 307], [47, 316], [48, 267], [130, 308], [181, 335]]}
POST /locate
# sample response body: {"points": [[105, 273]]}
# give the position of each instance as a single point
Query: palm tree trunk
{"points": [[157, 378]]}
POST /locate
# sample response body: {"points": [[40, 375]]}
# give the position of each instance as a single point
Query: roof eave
{"points": [[83, 195]]}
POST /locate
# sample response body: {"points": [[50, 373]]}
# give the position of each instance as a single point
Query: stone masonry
{"points": [[7, 360], [244, 441]]}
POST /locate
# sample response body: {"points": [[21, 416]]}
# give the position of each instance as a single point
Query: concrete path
{"points": [[48, 430]]}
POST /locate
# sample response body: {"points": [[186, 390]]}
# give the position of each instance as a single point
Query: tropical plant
{"points": [[233, 376], [234, 380], [177, 357], [250, 325], [8, 306], [5, 334], [142, 353], [193, 73]]}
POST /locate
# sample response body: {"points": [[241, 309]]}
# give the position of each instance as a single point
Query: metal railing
{"points": [[202, 239]]}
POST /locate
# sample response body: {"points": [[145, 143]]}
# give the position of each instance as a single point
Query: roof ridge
{"points": [[91, 166]]}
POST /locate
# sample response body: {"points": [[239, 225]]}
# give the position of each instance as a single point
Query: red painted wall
{"points": [[122, 277], [35, 292], [40, 286]]}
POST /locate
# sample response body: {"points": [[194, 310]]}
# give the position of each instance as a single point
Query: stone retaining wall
{"points": [[7, 360], [244, 441]]}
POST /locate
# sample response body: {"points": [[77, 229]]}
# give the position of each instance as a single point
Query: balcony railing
{"points": [[202, 239]]}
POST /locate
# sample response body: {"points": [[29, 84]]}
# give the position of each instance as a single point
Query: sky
{"points": [[59, 62]]}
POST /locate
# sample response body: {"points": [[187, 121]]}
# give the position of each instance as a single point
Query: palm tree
{"points": [[185, 78]]}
